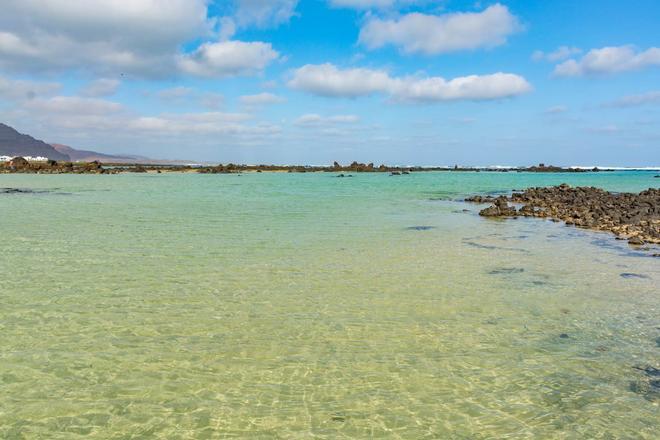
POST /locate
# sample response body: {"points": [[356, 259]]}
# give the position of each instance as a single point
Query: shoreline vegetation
{"points": [[631, 217], [21, 165]]}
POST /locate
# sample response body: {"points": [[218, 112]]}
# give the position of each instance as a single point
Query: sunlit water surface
{"points": [[303, 305]]}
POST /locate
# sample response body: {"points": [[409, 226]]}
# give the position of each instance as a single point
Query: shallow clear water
{"points": [[303, 305]]}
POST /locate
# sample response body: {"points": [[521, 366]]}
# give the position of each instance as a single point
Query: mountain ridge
{"points": [[13, 143]]}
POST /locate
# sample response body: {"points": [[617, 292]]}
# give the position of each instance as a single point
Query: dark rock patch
{"points": [[648, 385], [499, 209], [633, 275], [420, 228], [564, 336], [506, 271], [16, 191], [491, 247], [648, 370], [19, 191], [633, 217]]}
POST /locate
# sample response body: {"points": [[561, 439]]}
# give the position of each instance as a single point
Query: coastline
{"points": [[23, 166]]}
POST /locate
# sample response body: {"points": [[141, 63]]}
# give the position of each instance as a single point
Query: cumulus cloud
{"points": [[228, 58], [435, 34], [328, 80], [101, 87], [316, 120], [19, 90], [374, 4], [140, 37], [648, 98], [73, 113], [182, 95], [104, 34], [362, 4], [73, 105], [264, 13], [98, 118], [260, 99], [609, 60], [561, 53]]}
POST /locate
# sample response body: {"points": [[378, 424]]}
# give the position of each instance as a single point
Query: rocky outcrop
{"points": [[22, 166], [633, 217], [499, 209]]}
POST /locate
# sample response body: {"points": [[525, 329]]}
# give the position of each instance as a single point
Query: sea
{"points": [[303, 305]]}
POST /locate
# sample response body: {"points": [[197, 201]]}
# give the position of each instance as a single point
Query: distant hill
{"points": [[13, 143], [90, 156]]}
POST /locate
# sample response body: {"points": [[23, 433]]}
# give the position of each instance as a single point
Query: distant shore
{"points": [[20, 165]]}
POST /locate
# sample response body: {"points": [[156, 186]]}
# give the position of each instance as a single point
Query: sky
{"points": [[405, 82]]}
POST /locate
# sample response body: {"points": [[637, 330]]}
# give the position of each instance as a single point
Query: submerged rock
{"points": [[506, 270], [420, 228], [633, 275]]}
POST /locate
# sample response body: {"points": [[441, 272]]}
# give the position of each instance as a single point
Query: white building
{"points": [[28, 158]]}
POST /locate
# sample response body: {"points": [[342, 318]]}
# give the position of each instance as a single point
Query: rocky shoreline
{"points": [[632, 217], [20, 165]]}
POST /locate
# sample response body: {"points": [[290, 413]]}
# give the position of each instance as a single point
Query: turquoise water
{"points": [[184, 306]]}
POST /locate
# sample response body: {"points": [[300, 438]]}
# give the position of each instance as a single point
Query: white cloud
{"points": [[137, 37], [19, 90], [434, 34], [648, 98], [260, 99], [264, 13], [316, 120], [99, 118], [610, 60], [374, 4], [73, 113], [328, 80], [210, 122], [228, 58], [182, 95], [362, 4], [106, 35], [101, 87], [561, 53], [73, 105], [227, 28]]}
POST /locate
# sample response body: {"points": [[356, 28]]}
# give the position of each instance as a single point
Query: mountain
{"points": [[90, 156], [13, 143]]}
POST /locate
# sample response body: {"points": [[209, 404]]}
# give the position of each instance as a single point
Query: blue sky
{"points": [[312, 81]]}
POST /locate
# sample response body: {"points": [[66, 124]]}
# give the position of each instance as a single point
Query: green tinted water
{"points": [[302, 305]]}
